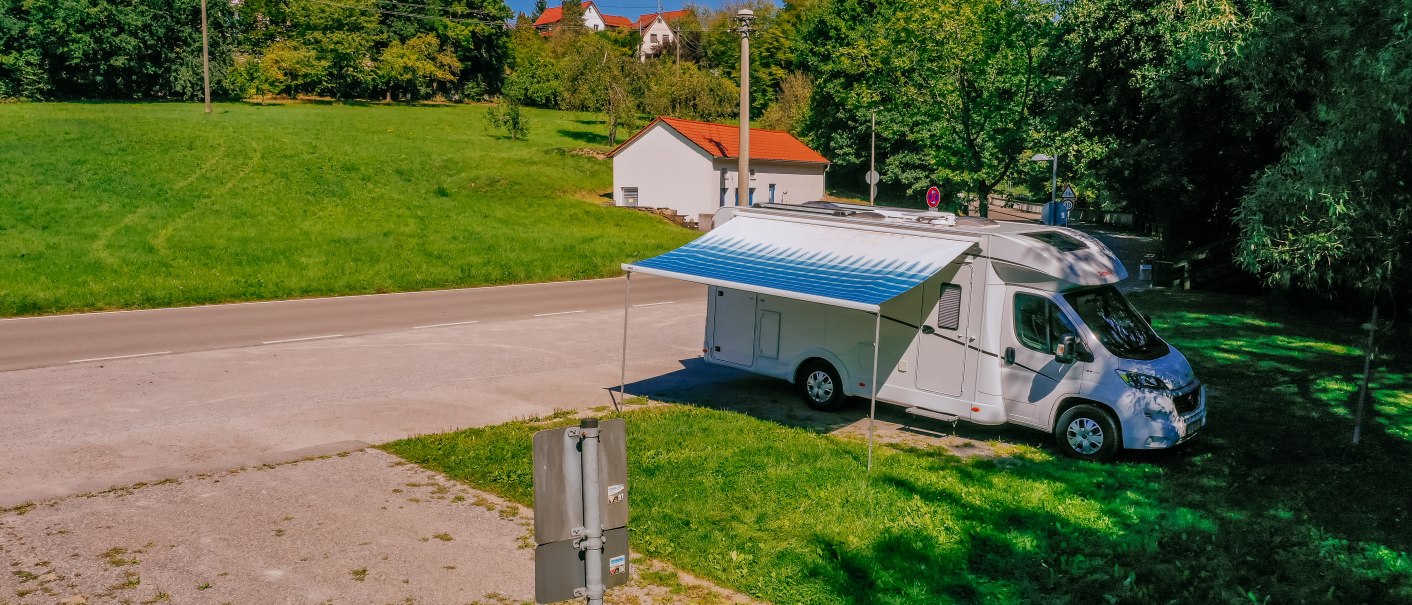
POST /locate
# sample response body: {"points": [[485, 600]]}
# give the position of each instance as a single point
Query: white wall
{"points": [[664, 35], [592, 20], [669, 171], [794, 183]]}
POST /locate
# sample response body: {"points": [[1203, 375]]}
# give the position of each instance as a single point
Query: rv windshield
{"points": [[1115, 322]]}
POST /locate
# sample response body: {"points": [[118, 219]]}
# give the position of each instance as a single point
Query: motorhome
{"points": [[951, 318]]}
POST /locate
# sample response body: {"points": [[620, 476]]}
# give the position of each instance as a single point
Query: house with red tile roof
{"points": [[658, 30], [593, 19], [691, 167]]}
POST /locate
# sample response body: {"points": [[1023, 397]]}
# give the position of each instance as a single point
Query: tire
{"points": [[1088, 432], [820, 386]]}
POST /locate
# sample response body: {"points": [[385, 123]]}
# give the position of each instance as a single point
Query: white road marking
{"points": [[121, 357], [275, 342], [670, 302], [559, 313], [454, 323]]}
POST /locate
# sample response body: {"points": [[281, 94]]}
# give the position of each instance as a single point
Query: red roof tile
{"points": [[669, 16], [722, 141]]}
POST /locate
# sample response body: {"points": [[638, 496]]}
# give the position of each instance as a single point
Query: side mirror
{"points": [[1067, 350]]}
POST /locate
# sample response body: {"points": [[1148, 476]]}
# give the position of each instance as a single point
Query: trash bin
{"points": [[1144, 269]]}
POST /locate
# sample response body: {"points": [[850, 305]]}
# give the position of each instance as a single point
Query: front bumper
{"points": [[1189, 420]]}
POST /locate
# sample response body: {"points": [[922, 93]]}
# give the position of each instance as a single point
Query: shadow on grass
{"points": [[584, 136]]}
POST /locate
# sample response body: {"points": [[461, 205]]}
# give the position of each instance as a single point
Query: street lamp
{"points": [[1054, 172]]}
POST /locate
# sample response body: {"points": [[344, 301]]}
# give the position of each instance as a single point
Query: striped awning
{"points": [[837, 265]]}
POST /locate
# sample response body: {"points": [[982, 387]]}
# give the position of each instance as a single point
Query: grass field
{"points": [[1270, 505], [142, 205]]}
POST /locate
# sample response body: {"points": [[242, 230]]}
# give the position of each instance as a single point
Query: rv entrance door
{"points": [[941, 353], [733, 329]]}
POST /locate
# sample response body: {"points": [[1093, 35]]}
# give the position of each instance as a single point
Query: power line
{"points": [[414, 15]]}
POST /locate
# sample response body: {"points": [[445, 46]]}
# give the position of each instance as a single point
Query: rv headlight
{"points": [[1139, 380]]}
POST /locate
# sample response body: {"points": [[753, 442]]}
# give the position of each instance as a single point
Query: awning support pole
{"points": [[873, 399], [623, 376]]}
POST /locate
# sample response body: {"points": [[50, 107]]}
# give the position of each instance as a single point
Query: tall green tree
{"points": [[597, 75], [539, 7], [344, 37], [414, 69], [1154, 93], [957, 86]]}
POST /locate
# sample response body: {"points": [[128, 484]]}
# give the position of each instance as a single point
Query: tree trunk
{"points": [[983, 201]]}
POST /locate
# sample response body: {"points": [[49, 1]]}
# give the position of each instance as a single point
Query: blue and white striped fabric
{"points": [[835, 265]]}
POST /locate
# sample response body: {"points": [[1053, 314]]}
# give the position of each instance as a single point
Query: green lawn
{"points": [[143, 205], [1270, 505]]}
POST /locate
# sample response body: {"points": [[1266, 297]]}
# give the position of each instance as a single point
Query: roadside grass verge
{"points": [[133, 205], [1270, 505]]}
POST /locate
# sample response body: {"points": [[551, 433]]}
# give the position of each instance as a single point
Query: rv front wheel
{"points": [[1086, 432], [821, 387]]}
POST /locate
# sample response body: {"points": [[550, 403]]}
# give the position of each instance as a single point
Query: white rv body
{"points": [[967, 343]]}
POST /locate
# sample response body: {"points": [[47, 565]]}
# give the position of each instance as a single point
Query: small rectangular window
{"points": [[654, 38], [948, 309], [629, 196]]}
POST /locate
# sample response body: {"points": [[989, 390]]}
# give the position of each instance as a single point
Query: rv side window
{"points": [[948, 310], [1039, 323]]}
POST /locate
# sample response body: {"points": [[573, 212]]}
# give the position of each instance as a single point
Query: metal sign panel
{"points": [[1068, 192], [558, 480], [933, 197], [559, 567]]}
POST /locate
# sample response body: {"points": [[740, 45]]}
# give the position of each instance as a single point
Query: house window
{"points": [[654, 38], [629, 196]]}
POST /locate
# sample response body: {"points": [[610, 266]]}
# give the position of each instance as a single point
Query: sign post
{"points": [[581, 511], [933, 198]]}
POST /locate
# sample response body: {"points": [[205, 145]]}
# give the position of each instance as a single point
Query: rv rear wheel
{"points": [[1087, 432], [821, 387]]}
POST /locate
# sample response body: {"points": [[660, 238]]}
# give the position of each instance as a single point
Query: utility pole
{"points": [[742, 189], [205, 58], [678, 41]]}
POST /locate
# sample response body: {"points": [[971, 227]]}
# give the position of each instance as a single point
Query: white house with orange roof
{"points": [[691, 167], [658, 30], [593, 19]]}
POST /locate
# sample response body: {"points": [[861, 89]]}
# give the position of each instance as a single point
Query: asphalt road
{"points": [[34, 342]]}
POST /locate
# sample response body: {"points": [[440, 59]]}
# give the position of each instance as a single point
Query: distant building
{"points": [[691, 167], [658, 30], [593, 19]]}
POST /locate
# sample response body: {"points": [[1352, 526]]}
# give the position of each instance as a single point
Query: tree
{"points": [[539, 7], [598, 76], [1153, 94], [1335, 213], [343, 37], [957, 86], [686, 91], [790, 111], [288, 65], [532, 77], [416, 66], [571, 16], [506, 115]]}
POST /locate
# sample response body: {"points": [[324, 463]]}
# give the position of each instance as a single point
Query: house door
{"points": [[941, 351], [772, 193]]}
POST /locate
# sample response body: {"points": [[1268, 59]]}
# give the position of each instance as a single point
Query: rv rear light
{"points": [[1139, 380]]}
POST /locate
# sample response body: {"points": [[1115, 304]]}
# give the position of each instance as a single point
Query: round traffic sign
{"points": [[871, 177], [933, 197]]}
